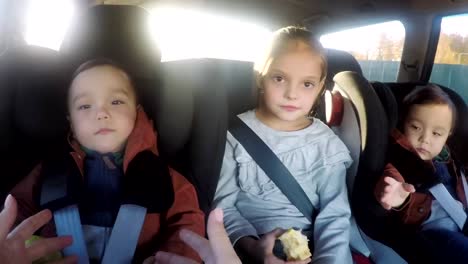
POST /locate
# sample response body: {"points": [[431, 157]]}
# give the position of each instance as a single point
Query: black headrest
{"points": [[192, 88], [117, 32], [34, 82], [339, 61], [120, 33], [32, 109], [388, 101], [374, 133], [197, 98]]}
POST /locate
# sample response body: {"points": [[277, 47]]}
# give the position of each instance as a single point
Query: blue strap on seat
{"points": [[449, 204], [125, 234], [67, 222], [465, 185], [122, 242], [356, 240], [380, 253]]}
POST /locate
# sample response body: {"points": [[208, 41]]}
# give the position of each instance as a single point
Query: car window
{"points": [[451, 61], [377, 48]]}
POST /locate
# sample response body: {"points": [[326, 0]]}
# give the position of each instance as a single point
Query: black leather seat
{"points": [[32, 111]]}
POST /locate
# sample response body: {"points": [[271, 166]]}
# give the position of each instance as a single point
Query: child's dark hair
{"points": [[97, 63], [426, 95]]}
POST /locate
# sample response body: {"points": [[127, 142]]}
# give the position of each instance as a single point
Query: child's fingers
{"points": [[299, 261], [270, 238], [169, 258], [67, 260], [8, 216], [388, 189], [150, 260], [390, 180], [219, 240], [25, 230], [277, 232], [384, 203], [408, 187], [46, 246], [198, 243]]}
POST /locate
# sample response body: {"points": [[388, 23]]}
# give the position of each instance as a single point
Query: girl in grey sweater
{"points": [[290, 80]]}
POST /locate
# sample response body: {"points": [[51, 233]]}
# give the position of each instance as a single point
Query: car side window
{"points": [[378, 48], [451, 61]]}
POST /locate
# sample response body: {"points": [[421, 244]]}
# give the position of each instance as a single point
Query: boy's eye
{"points": [[117, 102], [309, 85], [414, 127], [437, 134], [84, 107]]}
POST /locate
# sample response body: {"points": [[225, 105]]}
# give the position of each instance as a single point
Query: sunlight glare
{"points": [[455, 25], [363, 39], [47, 22], [183, 34]]}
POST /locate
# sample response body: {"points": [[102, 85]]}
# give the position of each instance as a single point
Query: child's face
{"points": [[291, 86], [102, 106], [427, 128]]}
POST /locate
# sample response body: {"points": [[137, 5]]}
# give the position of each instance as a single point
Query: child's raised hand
{"points": [[13, 248], [391, 193], [217, 250]]}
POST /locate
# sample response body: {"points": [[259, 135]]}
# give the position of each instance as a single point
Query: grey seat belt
{"points": [[449, 204], [125, 234], [123, 239], [465, 185]]}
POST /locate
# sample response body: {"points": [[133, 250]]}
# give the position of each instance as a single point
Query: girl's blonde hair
{"points": [[280, 43]]}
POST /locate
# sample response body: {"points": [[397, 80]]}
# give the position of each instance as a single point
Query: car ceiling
{"points": [[323, 15]]}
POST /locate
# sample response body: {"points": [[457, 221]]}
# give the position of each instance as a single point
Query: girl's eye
{"points": [[437, 134], [278, 78], [117, 102], [84, 107], [309, 85], [414, 127]]}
